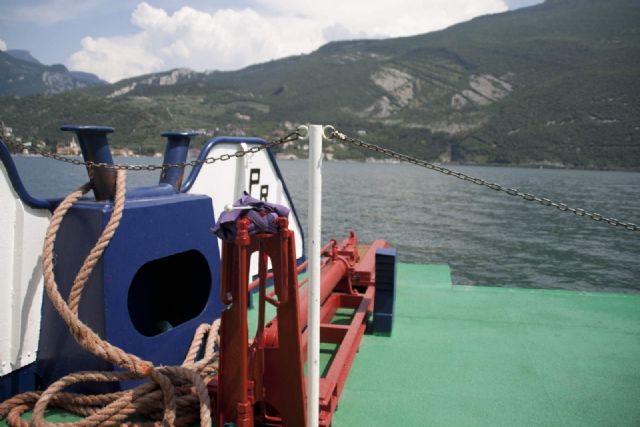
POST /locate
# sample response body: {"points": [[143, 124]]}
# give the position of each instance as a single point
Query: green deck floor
{"points": [[482, 356]]}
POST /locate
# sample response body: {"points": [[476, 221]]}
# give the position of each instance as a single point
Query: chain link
{"points": [[334, 134], [479, 181], [293, 136]]}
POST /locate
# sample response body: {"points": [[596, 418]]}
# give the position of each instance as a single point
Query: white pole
{"points": [[314, 236]]}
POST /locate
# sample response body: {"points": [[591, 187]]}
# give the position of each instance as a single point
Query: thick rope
{"points": [[100, 246], [174, 393], [85, 336]]}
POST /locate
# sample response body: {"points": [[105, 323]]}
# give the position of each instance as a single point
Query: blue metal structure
{"points": [[95, 148], [16, 182], [176, 152], [157, 280], [385, 296]]}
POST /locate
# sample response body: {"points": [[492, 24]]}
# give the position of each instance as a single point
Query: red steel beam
{"points": [[263, 382]]}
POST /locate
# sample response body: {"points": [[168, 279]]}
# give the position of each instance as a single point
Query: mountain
{"points": [[88, 78], [24, 55], [555, 84], [21, 75]]}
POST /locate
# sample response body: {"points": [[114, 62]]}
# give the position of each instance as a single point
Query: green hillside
{"points": [[555, 84]]}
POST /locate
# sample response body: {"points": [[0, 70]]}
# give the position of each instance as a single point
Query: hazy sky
{"points": [[121, 38]]}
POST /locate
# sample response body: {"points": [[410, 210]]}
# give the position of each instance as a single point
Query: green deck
{"points": [[481, 356], [466, 355]]}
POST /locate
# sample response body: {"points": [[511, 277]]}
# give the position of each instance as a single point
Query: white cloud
{"points": [[377, 18], [230, 39], [115, 58], [3, 45]]}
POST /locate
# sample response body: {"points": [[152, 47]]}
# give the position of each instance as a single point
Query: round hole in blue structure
{"points": [[169, 291]]}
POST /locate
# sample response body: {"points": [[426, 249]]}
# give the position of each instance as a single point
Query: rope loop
{"points": [[164, 397]]}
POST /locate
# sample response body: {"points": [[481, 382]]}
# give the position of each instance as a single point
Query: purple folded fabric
{"points": [[263, 216]]}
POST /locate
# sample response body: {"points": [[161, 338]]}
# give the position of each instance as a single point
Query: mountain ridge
{"points": [[552, 84], [22, 75]]}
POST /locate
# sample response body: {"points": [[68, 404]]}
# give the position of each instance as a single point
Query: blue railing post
{"points": [[95, 148], [176, 152]]}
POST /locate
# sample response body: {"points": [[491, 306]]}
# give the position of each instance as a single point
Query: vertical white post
{"points": [[314, 236]]}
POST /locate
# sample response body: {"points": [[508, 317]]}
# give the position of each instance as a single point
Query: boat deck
{"points": [[483, 356], [472, 356]]}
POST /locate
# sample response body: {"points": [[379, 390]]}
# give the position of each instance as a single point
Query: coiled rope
{"points": [[174, 395]]}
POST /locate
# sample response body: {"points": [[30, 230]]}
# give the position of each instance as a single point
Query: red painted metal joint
{"points": [[261, 382]]}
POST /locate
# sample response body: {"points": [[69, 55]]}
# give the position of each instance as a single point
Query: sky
{"points": [[116, 39]]}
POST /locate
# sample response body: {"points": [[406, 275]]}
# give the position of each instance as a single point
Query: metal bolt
{"points": [[231, 208]]}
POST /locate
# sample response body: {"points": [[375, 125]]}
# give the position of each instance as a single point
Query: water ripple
{"points": [[486, 237]]}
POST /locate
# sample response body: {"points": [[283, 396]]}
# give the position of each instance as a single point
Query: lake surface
{"points": [[486, 237]]}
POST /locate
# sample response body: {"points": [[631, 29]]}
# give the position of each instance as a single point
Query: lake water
{"points": [[486, 237]]}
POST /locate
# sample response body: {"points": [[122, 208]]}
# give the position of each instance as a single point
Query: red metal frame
{"points": [[262, 381]]}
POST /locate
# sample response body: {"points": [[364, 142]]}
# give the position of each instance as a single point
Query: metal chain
{"points": [[293, 136], [334, 134]]}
